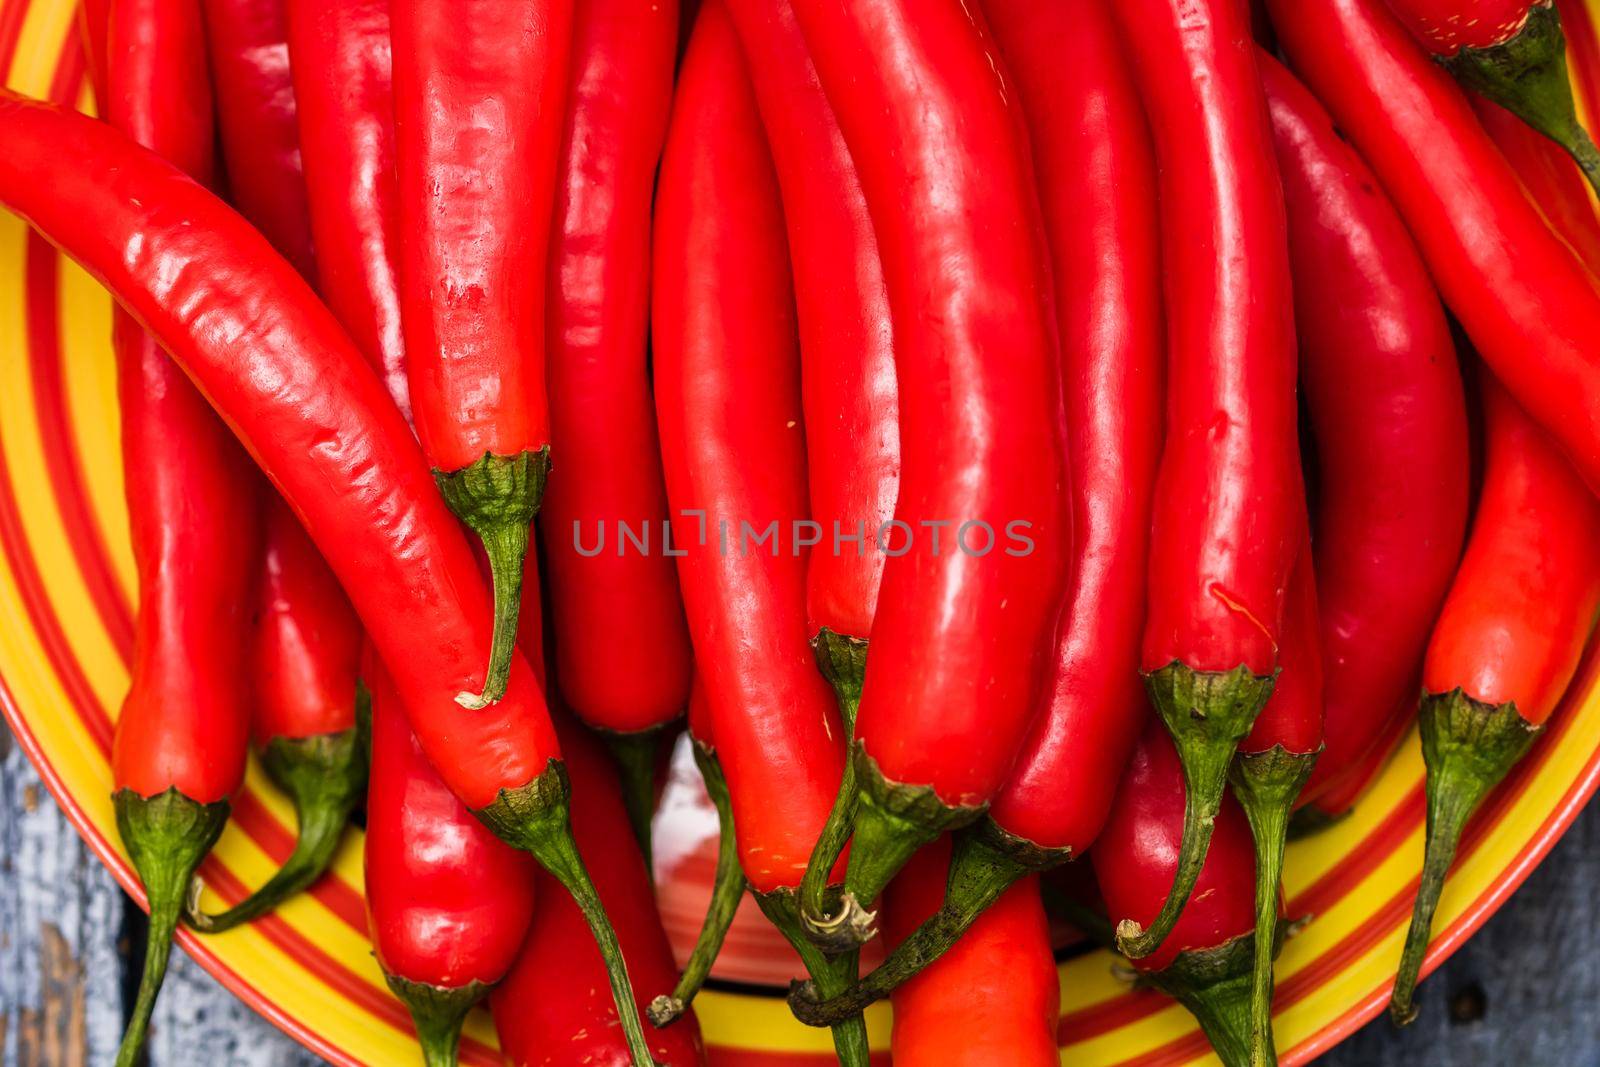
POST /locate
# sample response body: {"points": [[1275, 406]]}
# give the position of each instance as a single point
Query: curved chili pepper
{"points": [[1228, 514], [448, 903], [1549, 177], [179, 749], [623, 659], [307, 640], [846, 342], [1515, 54], [960, 640], [552, 1008], [249, 52], [994, 997], [317, 419], [1385, 403], [339, 55], [1529, 307], [847, 382], [1097, 186], [478, 92], [1205, 962], [1507, 643], [727, 379]]}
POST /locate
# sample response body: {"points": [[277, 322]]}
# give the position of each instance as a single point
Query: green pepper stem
{"points": [[1468, 747], [979, 874], [1528, 76], [498, 498], [1207, 713], [635, 756], [437, 1014], [1214, 984], [167, 836], [832, 975], [843, 662], [325, 776], [892, 821], [536, 818], [1267, 784], [727, 888]]}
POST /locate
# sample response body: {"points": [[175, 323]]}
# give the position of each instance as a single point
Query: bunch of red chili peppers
{"points": [[911, 394]]}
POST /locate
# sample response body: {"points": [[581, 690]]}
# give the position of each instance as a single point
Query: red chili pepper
{"points": [[1097, 186], [1228, 516], [552, 1008], [307, 638], [448, 903], [317, 419], [623, 659], [249, 52], [960, 640], [847, 382], [1384, 396], [1550, 178], [994, 998], [1507, 643], [478, 91], [1529, 307], [1205, 962], [846, 342], [339, 54], [1515, 54], [181, 737], [727, 378]]}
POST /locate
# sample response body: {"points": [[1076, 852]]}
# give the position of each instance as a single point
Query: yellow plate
{"points": [[66, 589]]}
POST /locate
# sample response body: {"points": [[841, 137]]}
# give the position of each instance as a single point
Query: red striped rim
{"points": [[63, 462]]}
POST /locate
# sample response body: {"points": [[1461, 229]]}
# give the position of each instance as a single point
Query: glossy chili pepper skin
{"points": [[1205, 962], [1508, 641], [847, 369], [993, 998], [1530, 309], [1228, 517], [94, 23], [478, 91], [961, 639], [553, 1008], [344, 101], [241, 322], [448, 903], [1097, 185], [249, 53], [1097, 188], [623, 658], [1384, 397], [727, 381], [1578, 25], [182, 734]]}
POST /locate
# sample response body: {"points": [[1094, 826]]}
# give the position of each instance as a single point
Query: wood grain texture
{"points": [[1525, 990]]}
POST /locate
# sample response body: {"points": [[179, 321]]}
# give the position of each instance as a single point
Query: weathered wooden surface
{"points": [[1525, 991]]}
